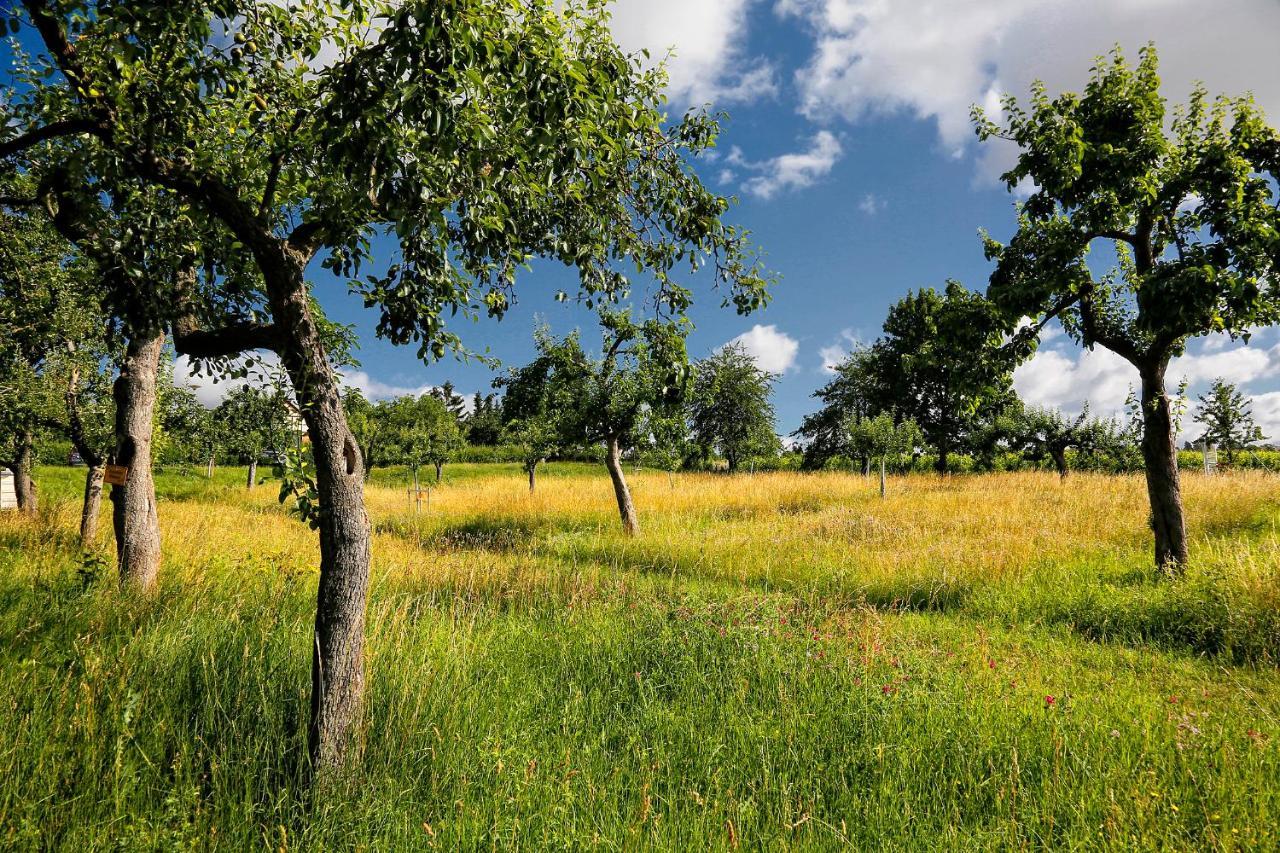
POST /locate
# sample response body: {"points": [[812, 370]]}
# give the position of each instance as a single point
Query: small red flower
{"points": [[1050, 701], [1173, 700], [991, 664], [886, 689]]}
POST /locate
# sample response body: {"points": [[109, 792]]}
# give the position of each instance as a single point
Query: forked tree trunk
{"points": [[133, 505], [92, 507], [24, 486], [337, 671], [439, 470], [532, 469], [253, 473], [1160, 458], [866, 466], [626, 507]]}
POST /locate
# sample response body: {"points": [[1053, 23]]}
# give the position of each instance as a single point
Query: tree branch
{"points": [[1089, 322], [229, 340], [75, 426], [53, 130]]}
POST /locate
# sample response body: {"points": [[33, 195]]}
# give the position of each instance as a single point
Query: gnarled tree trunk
{"points": [[337, 672], [253, 473], [1160, 458], [92, 506], [626, 507], [133, 510], [439, 470], [24, 486]]}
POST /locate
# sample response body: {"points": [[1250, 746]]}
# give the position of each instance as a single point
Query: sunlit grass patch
{"points": [[777, 661]]}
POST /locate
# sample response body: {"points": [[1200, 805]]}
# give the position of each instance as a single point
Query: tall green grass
{"points": [[557, 686]]}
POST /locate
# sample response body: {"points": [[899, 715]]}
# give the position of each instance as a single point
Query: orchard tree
{"points": [[1041, 433], [1227, 418], [481, 134], [1187, 201], [945, 362], [882, 437], [855, 394], [38, 305], [536, 437], [423, 431], [370, 427], [664, 439], [607, 399], [730, 411], [252, 421]]}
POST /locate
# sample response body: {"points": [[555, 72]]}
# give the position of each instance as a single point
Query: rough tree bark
{"points": [[1160, 458], [337, 672], [24, 487], [92, 506], [133, 505], [253, 473], [626, 507]]}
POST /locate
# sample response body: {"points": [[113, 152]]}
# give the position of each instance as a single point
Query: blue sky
{"points": [[849, 146]]}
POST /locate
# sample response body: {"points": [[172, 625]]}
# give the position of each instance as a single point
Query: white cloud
{"points": [[934, 60], [773, 351], [1239, 365], [789, 171], [1266, 414], [1067, 379], [871, 204], [707, 37], [835, 353], [376, 389], [211, 390]]}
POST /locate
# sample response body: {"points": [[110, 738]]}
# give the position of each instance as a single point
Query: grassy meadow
{"points": [[777, 661]]}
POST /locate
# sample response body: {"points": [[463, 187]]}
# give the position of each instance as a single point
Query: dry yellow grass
{"points": [[765, 529]]}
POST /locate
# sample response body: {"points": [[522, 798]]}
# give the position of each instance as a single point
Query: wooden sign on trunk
{"points": [[116, 475]]}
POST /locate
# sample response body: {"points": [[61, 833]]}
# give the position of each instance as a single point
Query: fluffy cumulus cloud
{"points": [[772, 350], [1066, 377], [934, 59], [766, 178], [705, 37]]}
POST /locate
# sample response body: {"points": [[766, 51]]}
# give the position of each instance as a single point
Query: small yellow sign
{"points": [[116, 475]]}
